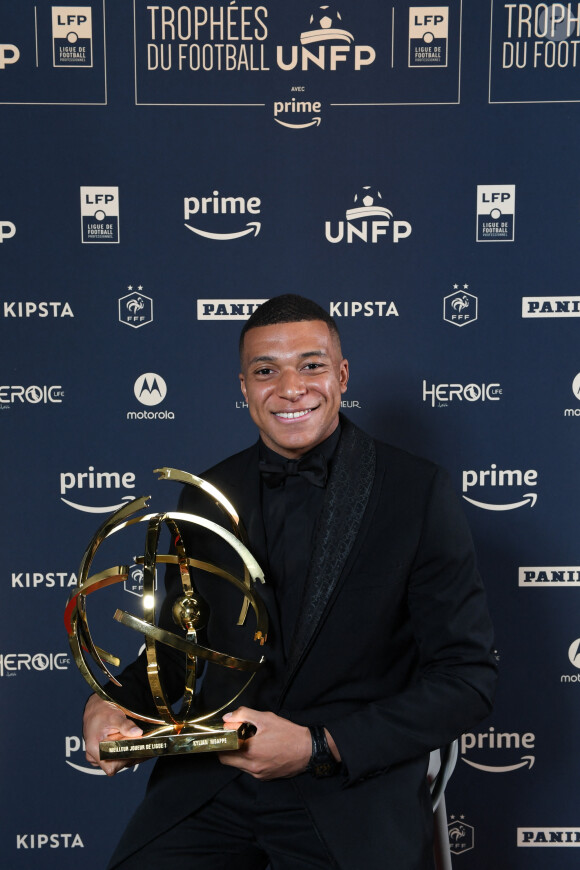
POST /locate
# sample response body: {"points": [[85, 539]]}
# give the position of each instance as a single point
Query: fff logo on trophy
{"points": [[176, 641]]}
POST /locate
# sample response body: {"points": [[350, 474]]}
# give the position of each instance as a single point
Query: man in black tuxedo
{"points": [[380, 641]]}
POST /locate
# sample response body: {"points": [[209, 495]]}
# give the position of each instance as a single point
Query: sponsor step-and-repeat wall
{"points": [[166, 167]]}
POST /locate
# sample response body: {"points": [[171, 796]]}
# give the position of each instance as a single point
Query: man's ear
{"points": [[243, 386]]}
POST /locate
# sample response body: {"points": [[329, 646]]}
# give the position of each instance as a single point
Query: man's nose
{"points": [[291, 385]]}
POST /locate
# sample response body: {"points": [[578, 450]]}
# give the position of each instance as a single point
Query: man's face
{"points": [[293, 376]]}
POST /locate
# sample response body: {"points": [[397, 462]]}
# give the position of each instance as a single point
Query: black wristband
{"points": [[322, 762]]}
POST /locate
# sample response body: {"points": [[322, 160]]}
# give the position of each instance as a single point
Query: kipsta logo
{"points": [[211, 211], [150, 389], [460, 307], [368, 219], [461, 835], [499, 478], [492, 742], [332, 45], [135, 309]]}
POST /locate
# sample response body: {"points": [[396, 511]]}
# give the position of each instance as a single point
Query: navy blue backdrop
{"points": [[165, 168]]}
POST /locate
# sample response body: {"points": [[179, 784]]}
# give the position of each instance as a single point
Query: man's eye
{"points": [[313, 366], [264, 372]]}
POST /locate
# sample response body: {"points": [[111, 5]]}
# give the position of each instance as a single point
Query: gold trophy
{"points": [[189, 730]]}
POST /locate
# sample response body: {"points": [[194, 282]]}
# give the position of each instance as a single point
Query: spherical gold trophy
{"points": [[189, 730]]}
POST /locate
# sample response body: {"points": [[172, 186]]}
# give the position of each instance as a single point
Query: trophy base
{"points": [[152, 745]]}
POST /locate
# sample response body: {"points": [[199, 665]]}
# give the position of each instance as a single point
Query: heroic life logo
{"points": [[206, 215], [100, 215], [369, 220], [72, 36], [428, 36], [496, 205], [500, 479]]}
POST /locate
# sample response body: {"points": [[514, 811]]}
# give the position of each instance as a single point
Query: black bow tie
{"points": [[312, 468]]}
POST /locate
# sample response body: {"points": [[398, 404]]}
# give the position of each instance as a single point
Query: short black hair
{"points": [[288, 308]]}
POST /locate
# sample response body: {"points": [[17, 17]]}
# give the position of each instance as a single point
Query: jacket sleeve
{"points": [[451, 628]]}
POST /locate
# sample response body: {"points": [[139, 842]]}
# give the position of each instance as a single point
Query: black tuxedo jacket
{"points": [[392, 653]]}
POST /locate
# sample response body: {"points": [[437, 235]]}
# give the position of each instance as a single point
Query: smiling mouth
{"points": [[293, 415]]}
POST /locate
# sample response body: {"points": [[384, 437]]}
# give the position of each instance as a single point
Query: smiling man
{"points": [[379, 649]]}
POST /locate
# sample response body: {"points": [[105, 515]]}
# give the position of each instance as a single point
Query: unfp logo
{"points": [[496, 205], [368, 219], [428, 36], [72, 36], [325, 44], [100, 215]]}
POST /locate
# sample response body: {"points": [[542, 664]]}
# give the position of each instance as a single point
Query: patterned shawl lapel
{"points": [[347, 495]]}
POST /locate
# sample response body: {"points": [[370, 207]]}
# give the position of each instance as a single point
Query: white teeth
{"points": [[291, 415]]}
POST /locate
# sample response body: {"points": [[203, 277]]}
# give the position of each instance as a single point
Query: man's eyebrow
{"points": [[305, 355]]}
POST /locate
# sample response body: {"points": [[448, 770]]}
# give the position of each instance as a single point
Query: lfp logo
{"points": [[428, 34], [496, 206], [72, 36], [100, 215]]}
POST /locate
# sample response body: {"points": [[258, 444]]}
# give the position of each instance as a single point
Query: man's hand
{"points": [[104, 721], [279, 748]]}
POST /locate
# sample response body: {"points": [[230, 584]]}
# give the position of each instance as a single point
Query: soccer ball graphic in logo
{"points": [[368, 203], [326, 24], [191, 729], [325, 17]]}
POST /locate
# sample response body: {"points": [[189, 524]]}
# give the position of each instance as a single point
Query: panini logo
{"points": [[227, 309], [549, 577], [548, 836], [550, 306]]}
